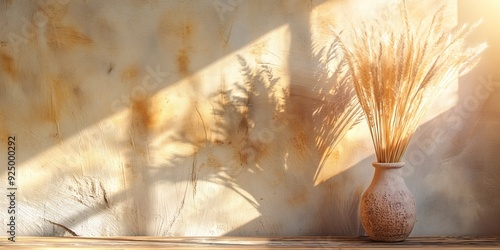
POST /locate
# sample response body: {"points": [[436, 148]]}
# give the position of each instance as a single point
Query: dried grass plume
{"points": [[399, 65]]}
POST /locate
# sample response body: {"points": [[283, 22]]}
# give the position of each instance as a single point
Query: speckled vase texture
{"points": [[387, 206]]}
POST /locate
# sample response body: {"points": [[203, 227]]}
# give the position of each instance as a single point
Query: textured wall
{"points": [[215, 118]]}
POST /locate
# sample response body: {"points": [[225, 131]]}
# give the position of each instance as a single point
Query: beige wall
{"points": [[214, 118]]}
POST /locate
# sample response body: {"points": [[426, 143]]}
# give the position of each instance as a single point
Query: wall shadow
{"points": [[88, 55]]}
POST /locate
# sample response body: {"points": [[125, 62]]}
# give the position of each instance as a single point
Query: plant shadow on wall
{"points": [[334, 111], [91, 71], [240, 153], [269, 155], [257, 144], [260, 146]]}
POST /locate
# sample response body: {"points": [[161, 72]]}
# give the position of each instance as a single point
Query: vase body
{"points": [[387, 206]]}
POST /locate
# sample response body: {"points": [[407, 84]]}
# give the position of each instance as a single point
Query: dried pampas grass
{"points": [[399, 67]]}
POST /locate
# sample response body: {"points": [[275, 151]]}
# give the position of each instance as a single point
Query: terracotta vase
{"points": [[388, 206]]}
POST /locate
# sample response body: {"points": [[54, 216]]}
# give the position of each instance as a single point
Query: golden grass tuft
{"points": [[399, 67]]}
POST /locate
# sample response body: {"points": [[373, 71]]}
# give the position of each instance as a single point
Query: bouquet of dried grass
{"points": [[398, 68]]}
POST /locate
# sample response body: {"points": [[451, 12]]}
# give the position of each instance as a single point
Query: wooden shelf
{"points": [[247, 243]]}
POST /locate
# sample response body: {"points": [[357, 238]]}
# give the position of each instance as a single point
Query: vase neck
{"points": [[388, 171]]}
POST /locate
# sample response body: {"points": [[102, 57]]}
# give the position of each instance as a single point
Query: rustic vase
{"points": [[387, 206]]}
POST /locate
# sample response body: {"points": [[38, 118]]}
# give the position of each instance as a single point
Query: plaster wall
{"points": [[215, 117]]}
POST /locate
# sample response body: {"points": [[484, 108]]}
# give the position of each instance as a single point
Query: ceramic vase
{"points": [[387, 206]]}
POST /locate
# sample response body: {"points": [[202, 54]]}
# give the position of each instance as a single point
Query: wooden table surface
{"points": [[247, 243]]}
